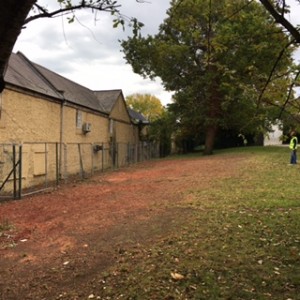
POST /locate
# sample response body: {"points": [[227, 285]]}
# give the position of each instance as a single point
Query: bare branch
{"points": [[289, 94], [112, 8], [279, 17], [272, 72]]}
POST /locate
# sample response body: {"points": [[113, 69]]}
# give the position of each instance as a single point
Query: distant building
{"points": [[274, 138]]}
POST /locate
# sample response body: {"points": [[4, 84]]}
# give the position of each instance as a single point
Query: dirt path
{"points": [[61, 239]]}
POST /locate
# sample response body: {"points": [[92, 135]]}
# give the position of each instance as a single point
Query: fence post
{"points": [[117, 158], [14, 171], [80, 162], [20, 171], [46, 165], [92, 159], [103, 157], [57, 162], [65, 161]]}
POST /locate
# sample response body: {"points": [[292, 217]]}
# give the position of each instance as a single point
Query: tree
{"points": [[161, 130], [146, 104], [162, 121], [14, 15], [216, 56]]}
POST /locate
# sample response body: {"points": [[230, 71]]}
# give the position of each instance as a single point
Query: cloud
{"points": [[88, 52]]}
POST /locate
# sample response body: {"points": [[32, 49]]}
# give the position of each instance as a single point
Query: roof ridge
{"points": [[112, 90]]}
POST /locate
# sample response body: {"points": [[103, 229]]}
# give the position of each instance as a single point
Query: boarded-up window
{"points": [[39, 160]]}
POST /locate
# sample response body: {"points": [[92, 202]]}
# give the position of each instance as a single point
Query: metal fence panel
{"points": [[45, 165]]}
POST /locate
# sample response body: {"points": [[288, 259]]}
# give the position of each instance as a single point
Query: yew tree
{"points": [[216, 55]]}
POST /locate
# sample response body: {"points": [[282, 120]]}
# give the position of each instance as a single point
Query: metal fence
{"points": [[34, 167]]}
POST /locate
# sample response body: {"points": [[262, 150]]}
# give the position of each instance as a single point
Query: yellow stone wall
{"points": [[123, 131], [27, 118], [36, 124]]}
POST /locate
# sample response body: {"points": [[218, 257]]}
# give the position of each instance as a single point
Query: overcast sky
{"points": [[88, 51]]}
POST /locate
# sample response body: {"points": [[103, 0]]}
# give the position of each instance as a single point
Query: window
{"points": [[111, 127], [78, 119]]}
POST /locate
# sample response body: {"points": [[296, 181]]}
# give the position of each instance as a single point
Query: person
{"points": [[293, 147]]}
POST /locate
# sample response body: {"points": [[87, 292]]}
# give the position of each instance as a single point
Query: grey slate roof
{"points": [[23, 73], [72, 91], [137, 117], [108, 98]]}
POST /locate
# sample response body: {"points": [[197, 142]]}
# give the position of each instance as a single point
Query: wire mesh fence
{"points": [[34, 167]]}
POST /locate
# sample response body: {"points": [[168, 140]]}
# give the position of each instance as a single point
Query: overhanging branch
{"points": [[272, 72], [279, 18], [70, 9]]}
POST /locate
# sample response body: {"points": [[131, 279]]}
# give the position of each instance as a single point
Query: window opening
{"points": [[78, 119]]}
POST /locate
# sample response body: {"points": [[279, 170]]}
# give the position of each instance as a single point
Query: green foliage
{"points": [[162, 130], [162, 121], [217, 58], [146, 104]]}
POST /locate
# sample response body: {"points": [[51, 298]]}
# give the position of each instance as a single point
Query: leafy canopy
{"points": [[146, 104], [217, 56]]}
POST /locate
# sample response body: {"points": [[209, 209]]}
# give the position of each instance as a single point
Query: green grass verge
{"points": [[241, 241]]}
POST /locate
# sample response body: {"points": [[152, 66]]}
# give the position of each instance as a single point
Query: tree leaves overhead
{"points": [[15, 14]]}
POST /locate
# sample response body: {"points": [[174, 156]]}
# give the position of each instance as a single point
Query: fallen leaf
{"points": [[176, 276]]}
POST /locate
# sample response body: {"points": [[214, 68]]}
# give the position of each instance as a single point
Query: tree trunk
{"points": [[213, 116], [210, 136], [12, 16]]}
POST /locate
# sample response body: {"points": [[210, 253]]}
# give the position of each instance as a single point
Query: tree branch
{"points": [[279, 18], [271, 73], [70, 9], [289, 95]]}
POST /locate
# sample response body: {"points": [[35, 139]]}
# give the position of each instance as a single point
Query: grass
{"points": [[5, 226], [6, 234], [241, 241]]}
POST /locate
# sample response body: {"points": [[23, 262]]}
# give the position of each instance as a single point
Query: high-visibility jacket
{"points": [[293, 143]]}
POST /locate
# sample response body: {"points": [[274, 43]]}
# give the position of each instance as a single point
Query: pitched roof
{"points": [[23, 73], [108, 98], [72, 91], [137, 117]]}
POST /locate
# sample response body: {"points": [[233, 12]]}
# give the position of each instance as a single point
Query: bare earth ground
{"points": [[59, 240]]}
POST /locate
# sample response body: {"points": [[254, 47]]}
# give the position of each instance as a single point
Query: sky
{"points": [[88, 51]]}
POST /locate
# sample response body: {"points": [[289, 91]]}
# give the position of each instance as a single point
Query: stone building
{"points": [[63, 128]]}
